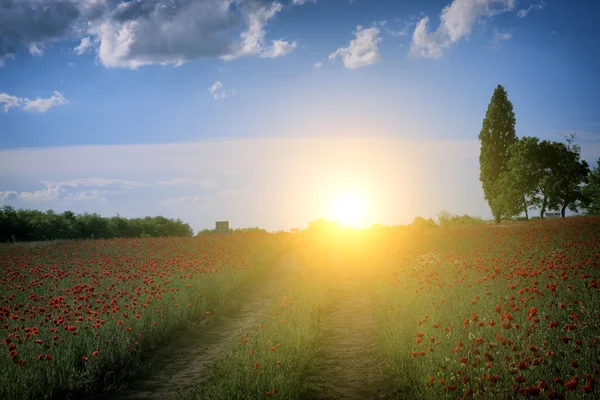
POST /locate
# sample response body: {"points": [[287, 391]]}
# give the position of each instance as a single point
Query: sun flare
{"points": [[348, 208]]}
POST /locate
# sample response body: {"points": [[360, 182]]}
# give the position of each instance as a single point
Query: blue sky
{"points": [[310, 87]]}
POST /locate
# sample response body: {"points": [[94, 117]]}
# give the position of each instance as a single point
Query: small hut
{"points": [[222, 226]]}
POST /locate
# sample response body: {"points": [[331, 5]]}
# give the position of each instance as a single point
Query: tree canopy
{"points": [[35, 225], [591, 192]]}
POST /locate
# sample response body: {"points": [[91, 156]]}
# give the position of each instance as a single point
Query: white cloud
{"points": [[301, 2], [7, 101], [35, 50], [457, 20], [7, 194], [86, 195], [84, 46], [95, 188], [217, 91], [54, 190], [362, 51], [318, 64], [39, 104], [131, 34], [278, 48], [524, 11], [500, 36], [43, 105], [252, 41], [4, 57]]}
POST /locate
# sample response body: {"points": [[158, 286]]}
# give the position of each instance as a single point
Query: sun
{"points": [[348, 208]]}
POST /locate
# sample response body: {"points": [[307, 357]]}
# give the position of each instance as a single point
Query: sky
{"points": [[262, 112]]}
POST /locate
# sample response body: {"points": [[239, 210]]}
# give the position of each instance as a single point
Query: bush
{"points": [[420, 222], [445, 218]]}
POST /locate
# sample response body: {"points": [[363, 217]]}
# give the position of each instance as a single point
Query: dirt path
{"points": [[348, 364], [182, 364]]}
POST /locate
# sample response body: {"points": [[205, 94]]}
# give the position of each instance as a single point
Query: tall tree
{"points": [[520, 183], [570, 173], [496, 136], [591, 192]]}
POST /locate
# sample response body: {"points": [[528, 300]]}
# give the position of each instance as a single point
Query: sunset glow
{"points": [[349, 208]]}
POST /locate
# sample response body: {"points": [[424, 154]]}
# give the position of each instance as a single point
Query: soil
{"points": [[348, 365]]}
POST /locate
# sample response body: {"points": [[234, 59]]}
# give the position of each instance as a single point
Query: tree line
{"points": [[33, 225], [519, 175]]}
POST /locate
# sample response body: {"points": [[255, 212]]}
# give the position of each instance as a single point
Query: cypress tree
{"points": [[497, 134]]}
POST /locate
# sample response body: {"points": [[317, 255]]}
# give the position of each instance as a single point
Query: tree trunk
{"points": [[543, 208], [525, 206], [562, 210]]}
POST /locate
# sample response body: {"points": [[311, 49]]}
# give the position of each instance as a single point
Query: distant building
{"points": [[222, 226], [295, 230], [552, 215]]}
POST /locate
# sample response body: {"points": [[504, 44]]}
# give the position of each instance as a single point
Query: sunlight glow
{"points": [[348, 208]]}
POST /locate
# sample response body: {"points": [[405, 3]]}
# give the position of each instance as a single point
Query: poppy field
{"points": [[495, 311], [76, 317]]}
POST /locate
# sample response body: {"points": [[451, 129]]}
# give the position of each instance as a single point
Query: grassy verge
{"points": [[274, 357]]}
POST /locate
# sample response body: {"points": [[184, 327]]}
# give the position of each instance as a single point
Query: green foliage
{"points": [[420, 222], [544, 175], [35, 225], [496, 135], [568, 176], [591, 192], [238, 230], [246, 230], [532, 169], [445, 218]]}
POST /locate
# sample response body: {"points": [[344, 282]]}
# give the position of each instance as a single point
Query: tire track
{"points": [[182, 364], [348, 365]]}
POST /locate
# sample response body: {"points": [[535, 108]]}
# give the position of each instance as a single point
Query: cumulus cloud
{"points": [[456, 22], [35, 50], [217, 91], [84, 46], [5, 195], [362, 51], [252, 41], [278, 48], [39, 104], [164, 32], [31, 21], [7, 101], [43, 105], [318, 64], [524, 11], [135, 33]]}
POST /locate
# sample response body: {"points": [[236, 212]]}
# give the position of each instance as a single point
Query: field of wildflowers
{"points": [[76, 317], [499, 311], [506, 312]]}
